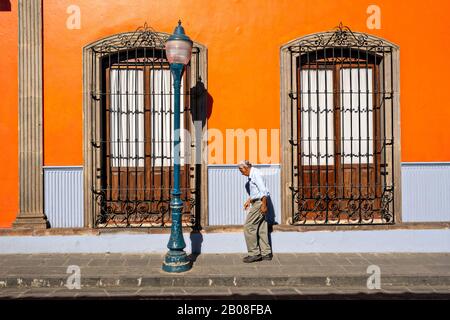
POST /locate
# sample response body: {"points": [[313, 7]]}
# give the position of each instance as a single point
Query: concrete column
{"points": [[31, 211]]}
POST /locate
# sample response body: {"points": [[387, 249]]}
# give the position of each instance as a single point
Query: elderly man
{"points": [[255, 227]]}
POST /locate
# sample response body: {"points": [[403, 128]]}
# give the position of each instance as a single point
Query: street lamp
{"points": [[178, 53]]}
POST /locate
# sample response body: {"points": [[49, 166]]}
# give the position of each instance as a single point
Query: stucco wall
{"points": [[9, 178], [243, 40]]}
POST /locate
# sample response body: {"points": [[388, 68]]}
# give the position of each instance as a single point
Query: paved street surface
{"points": [[287, 276]]}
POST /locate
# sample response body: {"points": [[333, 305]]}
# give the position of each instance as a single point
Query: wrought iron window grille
{"points": [[341, 136], [131, 104]]}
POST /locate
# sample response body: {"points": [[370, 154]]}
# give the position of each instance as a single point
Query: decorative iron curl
{"points": [[136, 213], [386, 199], [342, 36], [142, 37]]}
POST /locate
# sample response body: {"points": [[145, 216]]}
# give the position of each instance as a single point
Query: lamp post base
{"points": [[176, 261]]}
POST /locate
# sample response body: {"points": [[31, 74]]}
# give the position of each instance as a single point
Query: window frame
{"points": [[334, 40]]}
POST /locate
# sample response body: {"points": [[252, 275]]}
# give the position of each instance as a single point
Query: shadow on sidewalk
{"points": [[196, 245]]}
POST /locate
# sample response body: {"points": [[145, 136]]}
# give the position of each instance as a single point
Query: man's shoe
{"points": [[267, 257], [250, 259]]}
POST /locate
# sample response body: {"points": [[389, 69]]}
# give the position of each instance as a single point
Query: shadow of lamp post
{"points": [[178, 53]]}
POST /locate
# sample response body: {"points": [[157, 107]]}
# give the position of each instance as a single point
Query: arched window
{"points": [[128, 114], [341, 155]]}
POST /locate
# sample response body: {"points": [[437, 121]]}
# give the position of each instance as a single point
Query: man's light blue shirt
{"points": [[255, 185]]}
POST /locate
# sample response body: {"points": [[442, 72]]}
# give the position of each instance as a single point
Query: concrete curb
{"points": [[179, 281]]}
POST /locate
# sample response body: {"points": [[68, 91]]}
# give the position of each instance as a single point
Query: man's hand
{"points": [[247, 204], [264, 206]]}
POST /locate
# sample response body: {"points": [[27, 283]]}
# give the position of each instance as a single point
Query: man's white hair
{"points": [[245, 164]]}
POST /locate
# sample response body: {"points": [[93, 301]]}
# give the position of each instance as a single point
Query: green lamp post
{"points": [[178, 53]]}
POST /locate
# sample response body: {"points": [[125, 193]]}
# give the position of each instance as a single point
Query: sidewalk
{"points": [[225, 275]]}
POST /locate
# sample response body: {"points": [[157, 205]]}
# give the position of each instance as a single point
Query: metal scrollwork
{"points": [[386, 200], [138, 213], [341, 37], [136, 198], [143, 37], [340, 178]]}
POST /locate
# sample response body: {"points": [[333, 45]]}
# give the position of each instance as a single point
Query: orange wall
{"points": [[243, 39], [8, 117]]}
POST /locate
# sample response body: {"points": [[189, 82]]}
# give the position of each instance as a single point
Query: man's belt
{"points": [[254, 200]]}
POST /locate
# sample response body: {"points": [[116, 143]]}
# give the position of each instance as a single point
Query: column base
{"points": [[30, 222]]}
